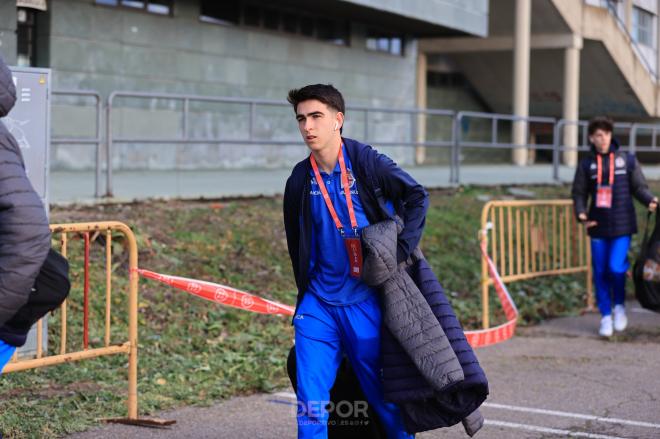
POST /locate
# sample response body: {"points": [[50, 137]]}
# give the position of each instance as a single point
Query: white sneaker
{"points": [[620, 319], [606, 329]]}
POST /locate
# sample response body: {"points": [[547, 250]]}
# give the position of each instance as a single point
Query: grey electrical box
{"points": [[29, 123]]}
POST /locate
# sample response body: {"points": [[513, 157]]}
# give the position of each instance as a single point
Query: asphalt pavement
{"points": [[558, 379]]}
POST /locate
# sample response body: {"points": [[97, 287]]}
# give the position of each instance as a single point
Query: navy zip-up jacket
{"points": [[373, 171], [421, 408], [629, 182]]}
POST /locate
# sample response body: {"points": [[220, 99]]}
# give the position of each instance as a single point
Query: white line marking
{"points": [[292, 395], [548, 430], [571, 415]]}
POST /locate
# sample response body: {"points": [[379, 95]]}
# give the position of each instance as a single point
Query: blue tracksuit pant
{"points": [[609, 257], [6, 352], [323, 333]]}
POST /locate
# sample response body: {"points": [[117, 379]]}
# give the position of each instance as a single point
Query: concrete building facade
{"points": [[238, 48], [560, 58]]}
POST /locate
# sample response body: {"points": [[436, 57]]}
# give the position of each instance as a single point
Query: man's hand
{"points": [[653, 205], [588, 224]]}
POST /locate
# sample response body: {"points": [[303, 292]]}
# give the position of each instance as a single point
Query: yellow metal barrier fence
{"points": [[129, 345], [528, 239]]}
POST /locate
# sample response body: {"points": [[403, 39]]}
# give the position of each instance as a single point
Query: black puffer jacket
{"points": [[629, 182], [24, 232], [429, 369]]}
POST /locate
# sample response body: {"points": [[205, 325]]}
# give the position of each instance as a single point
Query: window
{"points": [[26, 37], [161, 7], [642, 26], [332, 31], [251, 15], [158, 7], [385, 42], [290, 23], [220, 12], [263, 15], [271, 19], [307, 26]]}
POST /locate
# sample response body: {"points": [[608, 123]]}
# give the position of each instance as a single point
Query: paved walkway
{"points": [[558, 379], [68, 187]]}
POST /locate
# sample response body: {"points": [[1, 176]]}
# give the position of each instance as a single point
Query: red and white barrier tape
{"points": [[221, 294], [239, 299]]}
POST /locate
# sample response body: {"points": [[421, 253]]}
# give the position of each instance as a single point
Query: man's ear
{"points": [[340, 120]]}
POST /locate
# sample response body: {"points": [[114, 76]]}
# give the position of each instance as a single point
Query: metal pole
{"points": [[186, 105], [108, 147], [253, 117], [632, 139], [132, 323], [555, 150], [454, 176], [420, 152], [493, 130], [99, 146]]}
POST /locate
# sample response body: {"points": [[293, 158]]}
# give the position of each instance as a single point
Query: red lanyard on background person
{"points": [[599, 159], [347, 193]]}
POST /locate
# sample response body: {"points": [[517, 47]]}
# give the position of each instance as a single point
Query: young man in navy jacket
{"points": [[329, 198], [610, 178]]}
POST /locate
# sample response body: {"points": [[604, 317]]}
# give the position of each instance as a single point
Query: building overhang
{"points": [[418, 18]]}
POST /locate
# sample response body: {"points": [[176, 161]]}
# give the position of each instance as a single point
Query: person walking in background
{"points": [[609, 179]]}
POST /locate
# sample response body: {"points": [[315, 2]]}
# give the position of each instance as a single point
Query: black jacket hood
{"points": [[7, 89]]}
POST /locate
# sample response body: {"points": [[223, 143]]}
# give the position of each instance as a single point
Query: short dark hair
{"points": [[600, 123], [325, 93]]}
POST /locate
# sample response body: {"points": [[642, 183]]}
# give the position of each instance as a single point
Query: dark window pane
{"points": [[290, 23], [161, 7], [307, 26], [383, 44], [225, 12], [271, 19], [325, 29], [107, 2], [252, 15], [25, 38]]}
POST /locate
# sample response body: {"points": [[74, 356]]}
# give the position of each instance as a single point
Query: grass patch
{"points": [[193, 352]]}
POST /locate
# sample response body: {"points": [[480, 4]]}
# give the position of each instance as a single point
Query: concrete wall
{"points": [[8, 31], [106, 49]]}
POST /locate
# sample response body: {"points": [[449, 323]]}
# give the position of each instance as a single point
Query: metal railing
{"points": [[494, 118], [458, 137], [128, 344], [529, 239], [252, 139], [635, 128], [96, 140]]}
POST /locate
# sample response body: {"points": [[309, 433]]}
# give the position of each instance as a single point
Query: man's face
{"points": [[317, 123], [602, 140]]}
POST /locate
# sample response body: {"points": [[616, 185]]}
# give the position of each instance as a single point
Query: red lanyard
{"points": [[347, 192], [599, 159]]}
